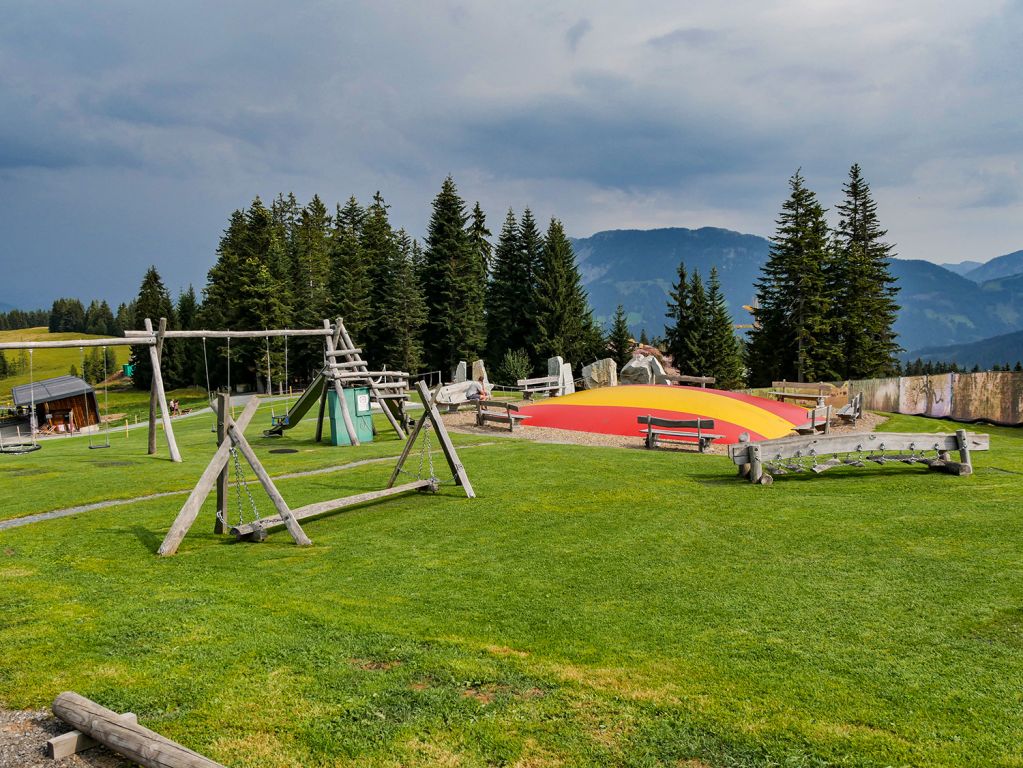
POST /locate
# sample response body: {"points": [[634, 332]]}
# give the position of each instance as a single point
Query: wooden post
{"points": [[450, 454], [268, 485], [320, 415], [143, 746], [376, 392], [223, 408], [161, 396], [408, 448], [152, 387], [339, 390], [756, 468], [190, 510]]}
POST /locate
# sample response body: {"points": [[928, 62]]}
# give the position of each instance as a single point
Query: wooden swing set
{"points": [[234, 446]]}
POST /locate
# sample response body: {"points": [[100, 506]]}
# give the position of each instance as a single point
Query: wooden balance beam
{"points": [[258, 527]]}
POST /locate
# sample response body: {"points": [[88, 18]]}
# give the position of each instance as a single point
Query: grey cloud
{"points": [[689, 37], [576, 32]]}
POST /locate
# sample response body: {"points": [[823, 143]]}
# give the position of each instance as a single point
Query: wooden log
{"points": [[151, 450], [461, 478], [756, 466], [788, 447], [145, 747], [190, 509], [963, 444], [271, 333], [223, 408], [407, 449], [146, 340], [73, 742], [323, 507], [268, 485], [344, 352], [172, 444], [346, 417], [373, 389]]}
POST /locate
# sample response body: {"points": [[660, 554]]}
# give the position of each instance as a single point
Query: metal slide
{"points": [[308, 399]]}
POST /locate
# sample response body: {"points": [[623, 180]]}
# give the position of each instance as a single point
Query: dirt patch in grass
{"points": [[504, 651], [374, 665]]}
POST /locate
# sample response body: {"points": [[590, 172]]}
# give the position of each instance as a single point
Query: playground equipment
{"points": [[345, 368], [761, 461], [234, 443], [614, 411], [96, 724], [20, 446]]}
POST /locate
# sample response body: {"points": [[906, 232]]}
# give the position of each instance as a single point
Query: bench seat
{"points": [[677, 430]]}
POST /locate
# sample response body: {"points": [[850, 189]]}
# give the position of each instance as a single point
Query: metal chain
{"points": [[240, 482]]}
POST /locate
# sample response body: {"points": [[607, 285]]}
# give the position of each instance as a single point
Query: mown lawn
{"points": [[593, 606]]}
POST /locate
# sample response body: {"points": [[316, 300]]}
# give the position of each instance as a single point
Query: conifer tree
{"points": [[679, 315], [404, 311], [154, 302], [481, 254], [866, 289], [724, 352], [349, 271], [448, 272], [697, 336], [380, 252], [793, 333], [503, 295], [563, 314], [619, 340]]}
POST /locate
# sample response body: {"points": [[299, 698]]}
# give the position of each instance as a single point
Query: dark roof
{"points": [[50, 389]]}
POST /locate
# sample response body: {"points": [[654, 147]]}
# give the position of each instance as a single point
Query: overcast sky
{"points": [[130, 131]]}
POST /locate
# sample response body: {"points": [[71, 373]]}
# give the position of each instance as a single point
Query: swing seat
{"points": [[280, 421]]}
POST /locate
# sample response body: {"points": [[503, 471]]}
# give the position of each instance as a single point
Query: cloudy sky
{"points": [[129, 131]]}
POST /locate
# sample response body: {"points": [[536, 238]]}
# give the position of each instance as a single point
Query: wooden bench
{"points": [[818, 454], [819, 393], [500, 412], [703, 381], [677, 429], [819, 420], [853, 411], [545, 385]]}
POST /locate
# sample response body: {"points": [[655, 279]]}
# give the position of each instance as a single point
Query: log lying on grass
{"points": [[124, 736]]}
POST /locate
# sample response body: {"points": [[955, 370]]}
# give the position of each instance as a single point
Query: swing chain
{"points": [[241, 483]]}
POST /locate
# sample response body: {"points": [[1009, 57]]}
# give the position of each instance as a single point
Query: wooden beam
{"points": [[190, 510], [73, 742], [373, 388], [151, 450], [144, 341], [461, 478], [223, 409], [823, 445], [353, 437], [268, 485], [271, 333], [408, 448], [322, 507], [168, 429], [145, 747]]}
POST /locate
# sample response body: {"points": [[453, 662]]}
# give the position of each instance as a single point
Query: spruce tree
{"points": [[679, 315], [481, 255], [563, 314], [380, 253], [619, 339], [403, 311], [503, 293], [793, 337], [448, 272], [349, 272], [697, 336], [866, 289], [154, 302], [724, 352]]}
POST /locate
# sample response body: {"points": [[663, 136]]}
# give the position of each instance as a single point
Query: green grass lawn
{"points": [[593, 606]]}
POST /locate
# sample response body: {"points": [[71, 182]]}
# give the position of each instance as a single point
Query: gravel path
{"points": [[23, 737]]}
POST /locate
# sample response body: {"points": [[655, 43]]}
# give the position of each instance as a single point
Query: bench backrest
{"points": [[657, 421], [816, 388], [483, 404], [541, 380]]}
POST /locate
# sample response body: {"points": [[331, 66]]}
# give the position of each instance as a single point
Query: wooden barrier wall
{"points": [[992, 396]]}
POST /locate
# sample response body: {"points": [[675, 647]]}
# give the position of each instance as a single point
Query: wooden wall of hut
{"points": [[83, 409]]}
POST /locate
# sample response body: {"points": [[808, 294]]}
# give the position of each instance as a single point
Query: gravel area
{"points": [[23, 737], [465, 421]]}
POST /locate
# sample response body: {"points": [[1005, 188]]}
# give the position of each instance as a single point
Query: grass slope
{"points": [[592, 607]]}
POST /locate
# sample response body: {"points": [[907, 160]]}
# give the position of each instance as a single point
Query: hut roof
{"points": [[47, 390]]}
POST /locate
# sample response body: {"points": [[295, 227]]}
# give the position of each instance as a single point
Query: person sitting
{"points": [[476, 391]]}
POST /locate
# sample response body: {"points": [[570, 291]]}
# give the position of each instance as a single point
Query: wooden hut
{"points": [[63, 404]]}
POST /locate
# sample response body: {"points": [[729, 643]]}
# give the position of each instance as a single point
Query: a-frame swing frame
{"points": [[234, 431]]}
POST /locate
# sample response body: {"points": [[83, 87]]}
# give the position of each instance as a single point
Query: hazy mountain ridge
{"points": [[998, 267], [998, 350], [636, 268]]}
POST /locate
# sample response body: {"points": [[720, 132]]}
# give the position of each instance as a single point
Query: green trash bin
{"points": [[357, 399]]}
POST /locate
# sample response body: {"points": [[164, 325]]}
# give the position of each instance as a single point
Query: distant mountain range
{"points": [[986, 353], [963, 267], [1001, 266], [636, 268]]}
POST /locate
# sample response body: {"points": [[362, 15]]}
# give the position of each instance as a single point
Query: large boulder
{"points": [[567, 381], [602, 373], [645, 369], [480, 371], [458, 375]]}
